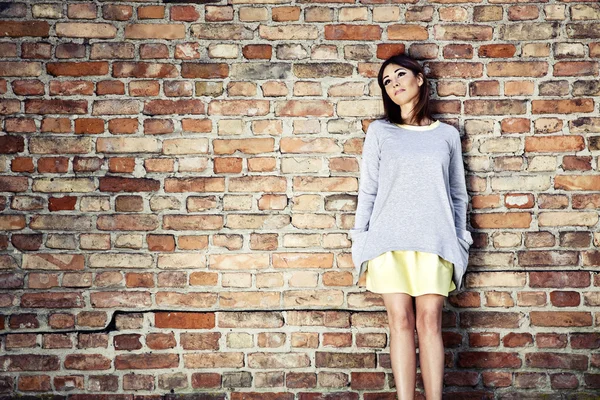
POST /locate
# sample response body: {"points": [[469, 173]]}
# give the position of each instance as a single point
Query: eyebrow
{"points": [[399, 68]]}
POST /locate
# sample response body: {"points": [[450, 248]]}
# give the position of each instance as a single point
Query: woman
{"points": [[410, 224]]}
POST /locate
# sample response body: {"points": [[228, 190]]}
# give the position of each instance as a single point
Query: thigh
{"points": [[399, 307], [398, 301], [429, 306], [429, 302]]}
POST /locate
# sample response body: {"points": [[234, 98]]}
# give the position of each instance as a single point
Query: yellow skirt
{"points": [[412, 272]]}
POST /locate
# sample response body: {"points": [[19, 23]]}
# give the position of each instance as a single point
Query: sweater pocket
{"points": [[359, 239], [465, 241]]}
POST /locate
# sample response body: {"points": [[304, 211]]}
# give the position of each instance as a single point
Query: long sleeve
{"points": [[368, 181], [458, 189]]}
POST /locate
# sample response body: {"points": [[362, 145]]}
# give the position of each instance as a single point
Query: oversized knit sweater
{"points": [[412, 195]]}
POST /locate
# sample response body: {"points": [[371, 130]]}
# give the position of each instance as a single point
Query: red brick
{"points": [[25, 321], [158, 126], [482, 359], [71, 88], [496, 379], [28, 87], [114, 184], [161, 242], [117, 50], [9, 107], [592, 381], [26, 242], [517, 339], [556, 360], [355, 32], [34, 383], [52, 300], [24, 28], [89, 125], [202, 380], [13, 183], [81, 11], [151, 12], [575, 68], [22, 164], [367, 380], [501, 50], [92, 68], [144, 88], [154, 50], [484, 339], [53, 164], [529, 380], [257, 51], [34, 106], [490, 319], [70, 50], [161, 107], [184, 13], [560, 318], [335, 339], [551, 340], [123, 125], [56, 125], [10, 144], [204, 71], [8, 50], [585, 340], [564, 298], [144, 70], [110, 87], [129, 204], [458, 51], [87, 362], [272, 396], [570, 106], [461, 378], [62, 203], [116, 12], [563, 381], [36, 50], [121, 165], [184, 320], [297, 380], [576, 279]]}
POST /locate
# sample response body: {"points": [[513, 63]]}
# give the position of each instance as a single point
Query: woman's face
{"points": [[401, 84]]}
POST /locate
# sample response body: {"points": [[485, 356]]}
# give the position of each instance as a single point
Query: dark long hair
{"points": [[391, 109]]}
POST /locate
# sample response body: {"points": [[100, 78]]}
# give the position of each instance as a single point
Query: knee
{"points": [[401, 320], [429, 321]]}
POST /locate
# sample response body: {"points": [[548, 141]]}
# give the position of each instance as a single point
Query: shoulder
{"points": [[450, 128], [376, 125], [450, 132]]}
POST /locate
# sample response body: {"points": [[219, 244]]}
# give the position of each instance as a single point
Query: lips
{"points": [[399, 90]]}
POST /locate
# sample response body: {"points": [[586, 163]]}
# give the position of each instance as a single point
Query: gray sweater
{"points": [[412, 195]]}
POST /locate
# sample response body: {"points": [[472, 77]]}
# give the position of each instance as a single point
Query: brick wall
{"points": [[177, 182]]}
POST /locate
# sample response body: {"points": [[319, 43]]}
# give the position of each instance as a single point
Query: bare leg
{"points": [[401, 319], [431, 346]]}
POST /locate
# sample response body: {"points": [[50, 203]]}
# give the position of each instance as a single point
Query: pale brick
{"points": [[120, 260]]}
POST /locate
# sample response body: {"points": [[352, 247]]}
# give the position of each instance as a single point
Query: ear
{"points": [[419, 79]]}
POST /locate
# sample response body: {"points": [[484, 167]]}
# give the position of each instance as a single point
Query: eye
{"points": [[385, 82]]}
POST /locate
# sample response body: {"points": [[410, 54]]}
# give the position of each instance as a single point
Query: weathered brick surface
{"points": [[177, 180]]}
